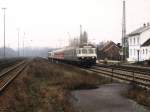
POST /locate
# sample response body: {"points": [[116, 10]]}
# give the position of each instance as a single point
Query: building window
{"points": [[134, 41], [146, 51], [131, 41], [138, 40], [143, 51]]}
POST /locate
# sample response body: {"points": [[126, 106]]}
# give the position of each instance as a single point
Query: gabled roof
{"points": [[108, 46], [112, 46], [146, 43], [139, 30]]}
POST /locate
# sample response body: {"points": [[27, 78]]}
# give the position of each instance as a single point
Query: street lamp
{"points": [[121, 54], [4, 31], [138, 53]]}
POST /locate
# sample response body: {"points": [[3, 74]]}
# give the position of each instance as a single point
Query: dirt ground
{"points": [[46, 87]]}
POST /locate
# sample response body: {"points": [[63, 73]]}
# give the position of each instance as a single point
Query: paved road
{"points": [[107, 98]]}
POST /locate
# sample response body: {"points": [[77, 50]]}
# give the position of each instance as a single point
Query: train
{"points": [[84, 55]]}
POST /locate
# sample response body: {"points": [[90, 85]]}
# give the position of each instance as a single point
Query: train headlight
{"points": [[82, 57], [93, 57]]}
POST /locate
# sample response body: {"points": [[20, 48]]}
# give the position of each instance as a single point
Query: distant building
{"points": [[74, 42], [109, 50], [139, 44], [83, 36]]}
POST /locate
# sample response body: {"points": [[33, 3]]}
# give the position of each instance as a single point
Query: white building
{"points": [[139, 44]]}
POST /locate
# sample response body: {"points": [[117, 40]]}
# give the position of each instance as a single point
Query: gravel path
{"points": [[107, 98]]}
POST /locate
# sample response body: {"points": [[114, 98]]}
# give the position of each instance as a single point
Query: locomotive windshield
{"points": [[84, 51], [87, 51], [91, 51]]}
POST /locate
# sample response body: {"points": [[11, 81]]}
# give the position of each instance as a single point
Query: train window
{"points": [[72, 53], [84, 51], [90, 51], [94, 50], [79, 52]]}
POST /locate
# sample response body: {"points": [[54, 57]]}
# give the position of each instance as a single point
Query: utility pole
{"points": [[4, 32], [23, 43], [18, 40], [81, 36], [124, 46]]}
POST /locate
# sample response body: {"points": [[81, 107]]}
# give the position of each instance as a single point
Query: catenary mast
{"points": [[124, 47]]}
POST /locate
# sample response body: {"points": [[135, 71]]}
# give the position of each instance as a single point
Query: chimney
{"points": [[148, 24], [144, 25]]}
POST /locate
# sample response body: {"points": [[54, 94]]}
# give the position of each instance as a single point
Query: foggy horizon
{"points": [[46, 23]]}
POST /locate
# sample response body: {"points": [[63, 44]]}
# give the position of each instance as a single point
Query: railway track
{"points": [[7, 76], [127, 67], [134, 75], [4, 63]]}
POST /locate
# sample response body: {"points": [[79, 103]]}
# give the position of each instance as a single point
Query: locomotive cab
{"points": [[87, 54]]}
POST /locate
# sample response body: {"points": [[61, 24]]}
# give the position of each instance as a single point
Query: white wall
{"points": [[135, 43], [134, 46], [145, 53], [145, 36]]}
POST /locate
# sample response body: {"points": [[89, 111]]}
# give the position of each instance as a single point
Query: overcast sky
{"points": [[47, 22]]}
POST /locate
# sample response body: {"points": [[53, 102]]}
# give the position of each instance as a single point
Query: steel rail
{"points": [[129, 69], [132, 76], [7, 80], [11, 69], [8, 62]]}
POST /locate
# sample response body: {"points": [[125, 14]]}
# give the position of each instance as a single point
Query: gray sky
{"points": [[46, 22]]}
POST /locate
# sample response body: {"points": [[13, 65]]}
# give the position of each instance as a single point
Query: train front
{"points": [[86, 53]]}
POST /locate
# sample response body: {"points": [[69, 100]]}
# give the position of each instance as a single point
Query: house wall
{"points": [[134, 46], [109, 51], [145, 53], [135, 43]]}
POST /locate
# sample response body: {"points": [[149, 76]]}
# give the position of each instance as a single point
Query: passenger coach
{"points": [[83, 55]]}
